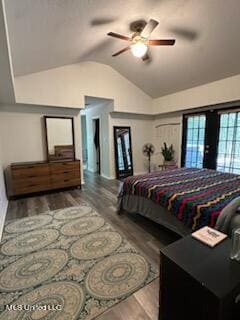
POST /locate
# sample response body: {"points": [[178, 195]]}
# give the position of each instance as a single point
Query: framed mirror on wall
{"points": [[123, 152], [60, 143]]}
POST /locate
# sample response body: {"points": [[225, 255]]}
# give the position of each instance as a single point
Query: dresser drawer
{"points": [[64, 167], [70, 175], [66, 183], [29, 171], [35, 181], [30, 188]]}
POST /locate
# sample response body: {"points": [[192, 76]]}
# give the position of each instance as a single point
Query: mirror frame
{"points": [[46, 138], [129, 172]]}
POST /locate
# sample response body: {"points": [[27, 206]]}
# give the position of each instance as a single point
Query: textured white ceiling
{"points": [[49, 33]]}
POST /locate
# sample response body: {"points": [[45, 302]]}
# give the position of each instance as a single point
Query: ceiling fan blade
{"points": [[161, 42], [148, 29], [119, 36], [146, 57], [121, 51]]}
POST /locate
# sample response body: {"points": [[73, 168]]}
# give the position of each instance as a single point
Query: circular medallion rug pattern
{"points": [[67, 298], [117, 275], [71, 258], [72, 212], [29, 242], [96, 245], [28, 224], [32, 269], [82, 226]]}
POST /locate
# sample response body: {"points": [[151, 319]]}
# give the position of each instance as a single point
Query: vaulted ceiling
{"points": [[49, 33]]}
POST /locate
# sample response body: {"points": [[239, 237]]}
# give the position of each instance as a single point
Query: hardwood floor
{"points": [[147, 236]]}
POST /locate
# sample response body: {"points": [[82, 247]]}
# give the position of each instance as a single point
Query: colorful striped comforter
{"points": [[194, 196]]}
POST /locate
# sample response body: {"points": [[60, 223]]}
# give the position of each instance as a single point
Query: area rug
{"points": [[66, 264]]}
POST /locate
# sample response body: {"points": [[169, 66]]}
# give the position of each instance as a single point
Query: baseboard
{"points": [[107, 177], [3, 217], [113, 178], [139, 173]]}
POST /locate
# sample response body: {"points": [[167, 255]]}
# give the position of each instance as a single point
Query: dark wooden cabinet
{"points": [[198, 282], [27, 178]]}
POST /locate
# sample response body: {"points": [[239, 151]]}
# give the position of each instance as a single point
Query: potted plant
{"points": [[168, 154]]}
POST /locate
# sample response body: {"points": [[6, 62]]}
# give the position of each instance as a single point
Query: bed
{"points": [[184, 199]]}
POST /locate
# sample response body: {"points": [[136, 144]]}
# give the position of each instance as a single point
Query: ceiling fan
{"points": [[139, 41]]}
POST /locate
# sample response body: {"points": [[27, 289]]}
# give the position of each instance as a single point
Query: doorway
{"points": [[96, 124], [96, 130], [211, 139]]}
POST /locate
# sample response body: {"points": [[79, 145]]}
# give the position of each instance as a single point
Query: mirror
{"points": [[123, 152], [59, 138]]}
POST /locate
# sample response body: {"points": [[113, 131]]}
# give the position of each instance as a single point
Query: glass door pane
{"points": [[120, 154], [228, 156], [123, 152], [195, 141]]}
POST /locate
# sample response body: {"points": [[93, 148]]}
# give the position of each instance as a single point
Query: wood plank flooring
{"points": [[147, 236]]}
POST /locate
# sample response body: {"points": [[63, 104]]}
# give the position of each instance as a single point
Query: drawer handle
{"points": [[66, 180], [32, 185], [31, 176], [30, 167]]}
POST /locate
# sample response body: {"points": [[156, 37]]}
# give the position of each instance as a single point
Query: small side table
{"points": [[198, 282]]}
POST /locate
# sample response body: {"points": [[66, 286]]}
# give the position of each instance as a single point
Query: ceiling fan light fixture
{"points": [[139, 49], [139, 41]]}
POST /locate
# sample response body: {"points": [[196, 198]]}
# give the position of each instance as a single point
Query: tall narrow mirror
{"points": [[123, 152], [59, 138]]}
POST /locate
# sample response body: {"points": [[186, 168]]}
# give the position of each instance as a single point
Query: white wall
{"points": [[168, 128], [22, 127], [67, 86], [6, 74], [141, 133], [212, 93]]}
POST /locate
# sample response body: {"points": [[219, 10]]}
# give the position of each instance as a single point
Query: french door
{"points": [[195, 141], [228, 156], [211, 140]]}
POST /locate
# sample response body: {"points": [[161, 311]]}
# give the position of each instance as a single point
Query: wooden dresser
{"points": [[31, 177]]}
